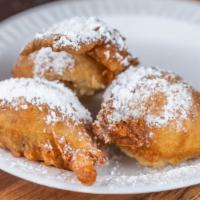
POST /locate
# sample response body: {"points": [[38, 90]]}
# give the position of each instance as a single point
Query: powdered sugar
{"points": [[121, 174], [81, 30], [47, 146], [107, 54], [135, 91], [45, 60], [41, 92], [123, 60]]}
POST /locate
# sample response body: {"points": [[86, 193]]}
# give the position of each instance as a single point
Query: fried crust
{"points": [[154, 147], [64, 144], [85, 77], [91, 59]]}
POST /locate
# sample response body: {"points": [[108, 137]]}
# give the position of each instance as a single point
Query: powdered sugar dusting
{"points": [[121, 174], [45, 60], [137, 87], [42, 92], [81, 30], [47, 146]]}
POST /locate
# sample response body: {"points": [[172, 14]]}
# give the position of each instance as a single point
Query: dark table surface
{"points": [[11, 7], [12, 188]]}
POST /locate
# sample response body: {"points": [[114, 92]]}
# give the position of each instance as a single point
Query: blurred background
{"points": [[11, 7]]}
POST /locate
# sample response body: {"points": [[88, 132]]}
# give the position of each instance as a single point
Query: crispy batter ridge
{"points": [[64, 144], [96, 49]]}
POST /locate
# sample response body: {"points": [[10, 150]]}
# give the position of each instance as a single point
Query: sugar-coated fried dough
{"points": [[95, 48], [152, 115], [81, 73], [44, 121]]}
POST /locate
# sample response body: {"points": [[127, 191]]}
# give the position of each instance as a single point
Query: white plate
{"points": [[161, 33]]}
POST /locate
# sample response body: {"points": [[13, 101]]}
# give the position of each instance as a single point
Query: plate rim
{"points": [[191, 8], [94, 189]]}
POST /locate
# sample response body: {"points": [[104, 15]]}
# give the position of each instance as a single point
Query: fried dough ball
{"points": [[152, 115], [84, 53], [44, 121], [81, 73]]}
